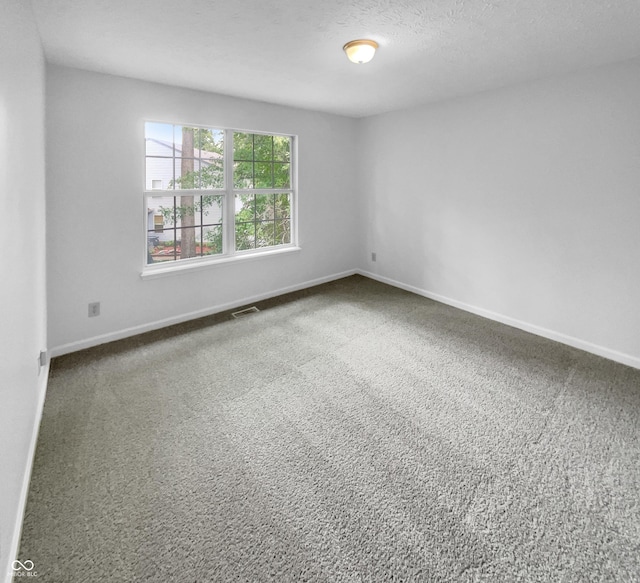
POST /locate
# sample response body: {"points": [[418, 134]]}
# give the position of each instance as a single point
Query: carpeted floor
{"points": [[349, 433]]}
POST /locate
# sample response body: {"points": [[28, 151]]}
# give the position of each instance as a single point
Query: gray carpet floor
{"points": [[352, 432]]}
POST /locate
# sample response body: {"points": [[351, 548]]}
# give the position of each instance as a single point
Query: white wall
{"points": [[22, 260], [522, 204], [95, 166]]}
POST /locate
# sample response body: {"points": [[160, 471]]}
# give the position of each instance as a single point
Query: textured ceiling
{"points": [[290, 51]]}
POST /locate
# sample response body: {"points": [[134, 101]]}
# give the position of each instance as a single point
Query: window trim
{"points": [[228, 194], [199, 263]]}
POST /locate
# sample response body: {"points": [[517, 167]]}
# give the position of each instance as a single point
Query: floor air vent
{"points": [[245, 312]]}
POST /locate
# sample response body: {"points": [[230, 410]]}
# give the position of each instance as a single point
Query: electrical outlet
{"points": [[94, 309], [373, 257]]}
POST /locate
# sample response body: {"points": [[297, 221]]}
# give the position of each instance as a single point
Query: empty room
{"points": [[320, 291]]}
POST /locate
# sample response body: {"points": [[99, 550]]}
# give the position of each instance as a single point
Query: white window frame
{"points": [[228, 194]]}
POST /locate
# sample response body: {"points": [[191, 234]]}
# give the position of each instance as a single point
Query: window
{"points": [[215, 193], [262, 182]]}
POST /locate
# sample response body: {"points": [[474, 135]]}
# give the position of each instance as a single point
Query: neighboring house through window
{"points": [[216, 193]]}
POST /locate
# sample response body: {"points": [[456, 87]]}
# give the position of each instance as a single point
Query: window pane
{"points": [[211, 143], [211, 155], [185, 211], [158, 139], [262, 220], [160, 212], [281, 175], [263, 177], [159, 174], [187, 174], [211, 173], [199, 210], [282, 206], [271, 161], [186, 141], [186, 242], [160, 229], [262, 147], [264, 207], [282, 232], [212, 240], [243, 175], [198, 213], [183, 157], [282, 148], [245, 236], [265, 234], [210, 208], [160, 251], [245, 207], [242, 146]]}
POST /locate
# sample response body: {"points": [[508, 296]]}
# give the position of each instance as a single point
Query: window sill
{"points": [[180, 267]]}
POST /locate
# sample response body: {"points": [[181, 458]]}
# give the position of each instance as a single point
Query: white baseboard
{"points": [[620, 357], [614, 355], [132, 331], [26, 480]]}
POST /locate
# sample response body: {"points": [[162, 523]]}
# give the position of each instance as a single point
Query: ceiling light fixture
{"points": [[360, 51]]}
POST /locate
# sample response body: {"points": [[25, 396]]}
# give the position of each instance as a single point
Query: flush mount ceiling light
{"points": [[360, 51]]}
